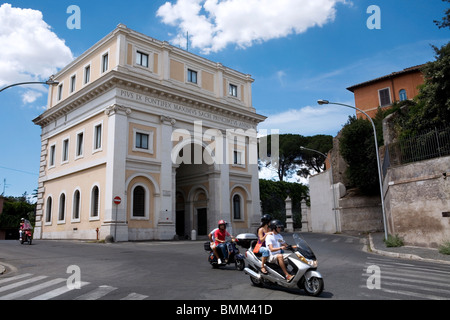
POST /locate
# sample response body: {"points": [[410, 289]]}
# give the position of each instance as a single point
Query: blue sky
{"points": [[298, 51]]}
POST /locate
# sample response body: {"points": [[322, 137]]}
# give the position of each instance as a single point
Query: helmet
{"points": [[222, 222], [275, 224], [266, 218]]}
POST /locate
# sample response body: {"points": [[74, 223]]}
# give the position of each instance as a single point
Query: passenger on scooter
{"points": [[220, 241], [263, 232], [275, 243]]}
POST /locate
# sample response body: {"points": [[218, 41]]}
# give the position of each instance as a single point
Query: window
{"points": [[237, 159], [80, 142], [403, 95], [237, 207], [141, 59], [62, 207], [65, 154], [142, 140], [73, 81], [233, 90], [87, 74], [95, 198], [98, 137], [48, 210], [76, 205], [52, 156], [105, 63], [192, 76], [60, 91], [139, 202], [385, 97]]}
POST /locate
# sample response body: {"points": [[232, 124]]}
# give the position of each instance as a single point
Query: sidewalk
{"points": [[406, 252]]}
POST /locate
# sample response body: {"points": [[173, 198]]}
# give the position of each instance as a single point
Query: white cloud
{"points": [[31, 96], [308, 121], [215, 24], [30, 51]]}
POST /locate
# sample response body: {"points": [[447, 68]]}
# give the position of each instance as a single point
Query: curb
{"points": [[401, 255], [2, 269]]}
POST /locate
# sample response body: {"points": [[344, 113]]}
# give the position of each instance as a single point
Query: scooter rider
{"points": [[275, 243], [220, 241], [263, 232]]}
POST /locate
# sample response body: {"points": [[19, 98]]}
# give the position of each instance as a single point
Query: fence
{"points": [[428, 145]]}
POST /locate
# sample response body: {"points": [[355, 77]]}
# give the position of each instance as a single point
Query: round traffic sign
{"points": [[117, 200]]}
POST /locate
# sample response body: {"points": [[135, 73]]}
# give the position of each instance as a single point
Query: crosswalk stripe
{"points": [[134, 296], [29, 290], [20, 276], [21, 283], [97, 293], [56, 293]]}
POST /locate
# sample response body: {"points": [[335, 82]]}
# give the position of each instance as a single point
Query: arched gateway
{"points": [[179, 150]]}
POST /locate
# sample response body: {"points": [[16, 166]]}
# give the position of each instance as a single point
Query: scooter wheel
{"points": [[240, 265], [313, 287]]}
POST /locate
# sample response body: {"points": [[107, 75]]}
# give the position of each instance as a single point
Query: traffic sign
{"points": [[117, 200]]}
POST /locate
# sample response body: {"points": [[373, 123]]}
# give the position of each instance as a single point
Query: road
{"points": [[179, 271]]}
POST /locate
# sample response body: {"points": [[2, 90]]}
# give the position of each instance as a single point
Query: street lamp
{"points": [[332, 185], [322, 102], [49, 82]]}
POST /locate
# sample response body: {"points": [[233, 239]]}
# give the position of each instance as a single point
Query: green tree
{"points": [[15, 208], [273, 195], [357, 147]]}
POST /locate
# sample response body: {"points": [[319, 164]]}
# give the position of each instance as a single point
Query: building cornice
{"points": [[156, 88]]}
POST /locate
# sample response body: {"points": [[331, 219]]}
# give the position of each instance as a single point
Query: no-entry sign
{"points": [[117, 200]]}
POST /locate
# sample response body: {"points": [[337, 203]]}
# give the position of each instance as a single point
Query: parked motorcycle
{"points": [[234, 256], [302, 263]]}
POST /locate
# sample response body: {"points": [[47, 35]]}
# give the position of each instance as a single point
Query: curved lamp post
{"points": [[322, 102], [332, 186], [49, 82]]}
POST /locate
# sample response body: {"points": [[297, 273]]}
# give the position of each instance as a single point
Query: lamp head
{"points": [[321, 102]]}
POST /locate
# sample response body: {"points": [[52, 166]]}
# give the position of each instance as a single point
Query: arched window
{"points": [[62, 207], [403, 95], [95, 199], [76, 205], [237, 207], [48, 210], [139, 202]]}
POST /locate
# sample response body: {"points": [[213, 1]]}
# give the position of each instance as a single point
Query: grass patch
{"points": [[393, 241], [445, 248]]}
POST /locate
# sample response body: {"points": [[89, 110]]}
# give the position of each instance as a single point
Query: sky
{"points": [[298, 51]]}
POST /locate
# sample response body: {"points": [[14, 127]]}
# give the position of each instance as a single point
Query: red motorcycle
{"points": [[26, 234]]}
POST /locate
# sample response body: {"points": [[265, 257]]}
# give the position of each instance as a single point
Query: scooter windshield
{"points": [[303, 247]]}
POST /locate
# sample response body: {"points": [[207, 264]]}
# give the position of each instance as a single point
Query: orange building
{"points": [[384, 91]]}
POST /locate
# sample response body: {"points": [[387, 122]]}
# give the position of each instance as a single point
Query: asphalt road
{"points": [[180, 271]]}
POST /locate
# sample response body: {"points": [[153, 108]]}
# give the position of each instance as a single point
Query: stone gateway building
{"points": [[142, 140]]}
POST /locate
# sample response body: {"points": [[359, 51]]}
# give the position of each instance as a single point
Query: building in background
{"points": [[384, 91], [142, 140]]}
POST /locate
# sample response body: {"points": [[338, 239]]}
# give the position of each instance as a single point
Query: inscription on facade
{"points": [[172, 106]]}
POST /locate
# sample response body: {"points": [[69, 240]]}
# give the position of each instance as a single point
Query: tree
{"points": [[292, 159], [15, 208], [445, 23], [273, 195], [358, 150]]}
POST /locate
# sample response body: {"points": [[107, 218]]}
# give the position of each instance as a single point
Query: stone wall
{"points": [[417, 198]]}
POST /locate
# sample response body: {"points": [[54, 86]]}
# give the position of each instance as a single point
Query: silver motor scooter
{"points": [[302, 263]]}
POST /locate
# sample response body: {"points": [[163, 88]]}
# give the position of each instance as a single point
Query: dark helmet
{"points": [[266, 218], [275, 224]]}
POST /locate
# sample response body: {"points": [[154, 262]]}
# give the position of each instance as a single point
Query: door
{"points": [[202, 221], [180, 223]]}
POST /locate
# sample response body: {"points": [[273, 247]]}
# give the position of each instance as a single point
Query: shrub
{"points": [[393, 241]]}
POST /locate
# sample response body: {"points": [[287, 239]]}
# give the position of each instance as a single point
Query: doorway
{"points": [[202, 221]]}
